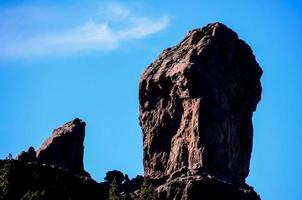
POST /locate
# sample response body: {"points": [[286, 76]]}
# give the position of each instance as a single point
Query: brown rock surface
{"points": [[196, 104], [192, 187], [64, 148]]}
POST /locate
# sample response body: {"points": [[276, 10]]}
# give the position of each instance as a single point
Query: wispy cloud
{"points": [[121, 24]]}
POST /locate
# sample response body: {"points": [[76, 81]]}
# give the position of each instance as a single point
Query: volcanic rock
{"points": [[64, 148], [196, 105]]}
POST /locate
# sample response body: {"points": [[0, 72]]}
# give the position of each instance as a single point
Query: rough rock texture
{"points": [[204, 187], [65, 147], [196, 104]]}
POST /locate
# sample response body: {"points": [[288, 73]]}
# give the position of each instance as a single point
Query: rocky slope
{"points": [[21, 180], [204, 186]]}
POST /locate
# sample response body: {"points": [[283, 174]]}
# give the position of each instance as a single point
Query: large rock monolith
{"points": [[196, 105]]}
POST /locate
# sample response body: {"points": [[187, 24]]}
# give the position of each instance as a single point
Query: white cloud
{"points": [[92, 35], [143, 27], [116, 11]]}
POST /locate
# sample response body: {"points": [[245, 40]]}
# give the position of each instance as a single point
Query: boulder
{"points": [[114, 174]]}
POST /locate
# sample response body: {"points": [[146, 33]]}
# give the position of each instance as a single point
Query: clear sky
{"points": [[84, 59]]}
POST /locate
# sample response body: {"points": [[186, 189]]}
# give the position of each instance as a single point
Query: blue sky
{"points": [[67, 59]]}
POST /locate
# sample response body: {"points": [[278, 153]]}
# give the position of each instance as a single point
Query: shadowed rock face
{"points": [[28, 156], [196, 104], [203, 187], [65, 147]]}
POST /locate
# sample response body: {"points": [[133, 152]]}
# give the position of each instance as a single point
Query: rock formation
{"points": [[184, 184], [114, 174], [64, 148], [196, 104], [33, 180], [28, 156], [196, 187]]}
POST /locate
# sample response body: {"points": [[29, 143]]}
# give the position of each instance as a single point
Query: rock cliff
{"points": [[196, 105]]}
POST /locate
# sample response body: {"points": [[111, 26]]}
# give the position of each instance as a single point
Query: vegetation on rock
{"points": [[30, 181], [147, 191], [113, 192]]}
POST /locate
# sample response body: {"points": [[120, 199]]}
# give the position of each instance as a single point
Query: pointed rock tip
{"points": [[78, 121]]}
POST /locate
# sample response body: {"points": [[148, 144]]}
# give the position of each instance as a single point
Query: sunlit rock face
{"points": [[196, 105]]}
